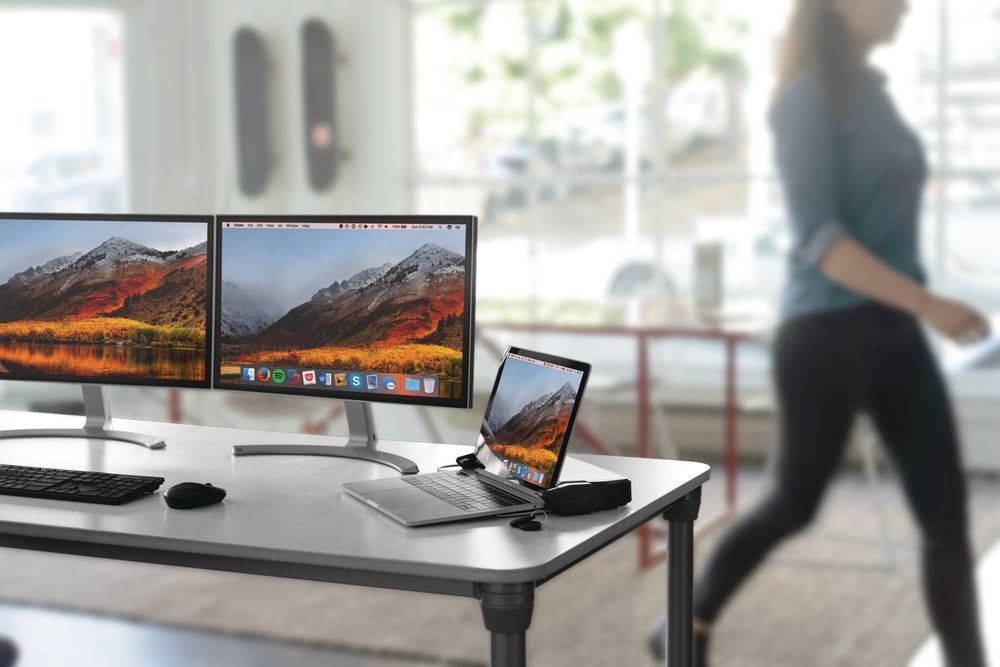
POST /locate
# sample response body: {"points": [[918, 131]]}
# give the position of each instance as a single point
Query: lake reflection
{"points": [[102, 360], [450, 388]]}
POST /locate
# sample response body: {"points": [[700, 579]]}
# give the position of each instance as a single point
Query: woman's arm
{"points": [[848, 263]]}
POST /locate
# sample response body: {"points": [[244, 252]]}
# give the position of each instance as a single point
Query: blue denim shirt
{"points": [[849, 169]]}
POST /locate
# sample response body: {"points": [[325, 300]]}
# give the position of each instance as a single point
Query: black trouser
{"points": [[827, 368]]}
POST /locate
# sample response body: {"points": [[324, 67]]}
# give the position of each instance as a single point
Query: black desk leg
{"points": [[507, 612], [680, 579]]}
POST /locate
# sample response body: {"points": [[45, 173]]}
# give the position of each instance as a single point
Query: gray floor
{"points": [[93, 640]]}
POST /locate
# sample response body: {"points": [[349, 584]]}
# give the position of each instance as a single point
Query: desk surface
{"points": [[287, 515]]}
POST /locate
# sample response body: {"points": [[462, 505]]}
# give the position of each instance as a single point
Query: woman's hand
{"points": [[853, 266], [954, 320]]}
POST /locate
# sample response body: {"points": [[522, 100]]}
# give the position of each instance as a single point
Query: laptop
{"points": [[520, 451]]}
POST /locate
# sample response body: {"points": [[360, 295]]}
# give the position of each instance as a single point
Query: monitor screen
{"points": [[530, 416], [360, 308], [105, 299]]}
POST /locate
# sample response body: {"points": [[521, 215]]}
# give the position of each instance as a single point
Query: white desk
{"points": [[286, 516]]}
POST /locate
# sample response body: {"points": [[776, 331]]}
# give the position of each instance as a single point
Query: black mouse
{"points": [[188, 495]]}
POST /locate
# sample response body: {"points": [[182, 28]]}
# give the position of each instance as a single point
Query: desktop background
{"points": [[528, 417], [104, 299], [385, 301]]}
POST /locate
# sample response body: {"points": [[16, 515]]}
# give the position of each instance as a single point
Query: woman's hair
{"points": [[817, 41]]}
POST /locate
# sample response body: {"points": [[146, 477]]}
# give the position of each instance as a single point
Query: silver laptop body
{"points": [[418, 506], [529, 418]]}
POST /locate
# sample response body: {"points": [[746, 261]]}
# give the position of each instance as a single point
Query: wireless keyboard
{"points": [[79, 485]]}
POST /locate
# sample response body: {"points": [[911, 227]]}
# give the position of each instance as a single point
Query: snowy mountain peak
{"points": [[194, 250], [431, 254], [51, 266], [541, 422], [428, 261], [565, 394], [358, 280], [117, 246], [117, 250]]}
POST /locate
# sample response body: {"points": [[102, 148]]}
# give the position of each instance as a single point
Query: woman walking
{"points": [[850, 339]]}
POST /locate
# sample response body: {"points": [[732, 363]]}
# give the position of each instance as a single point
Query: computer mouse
{"points": [[188, 495]]}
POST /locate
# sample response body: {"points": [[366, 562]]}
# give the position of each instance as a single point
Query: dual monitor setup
{"points": [[360, 308]]}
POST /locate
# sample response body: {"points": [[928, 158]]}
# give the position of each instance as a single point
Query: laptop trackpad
{"points": [[411, 499]]}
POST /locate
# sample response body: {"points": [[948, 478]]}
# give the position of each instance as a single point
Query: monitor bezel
{"points": [[468, 335], [208, 221]]}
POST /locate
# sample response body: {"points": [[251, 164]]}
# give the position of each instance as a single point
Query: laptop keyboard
{"points": [[466, 492]]}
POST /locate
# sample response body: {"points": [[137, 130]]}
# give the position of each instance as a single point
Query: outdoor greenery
{"points": [[575, 43]]}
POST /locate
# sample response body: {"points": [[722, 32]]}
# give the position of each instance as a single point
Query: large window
{"points": [[626, 141], [620, 160], [606, 142], [62, 117]]}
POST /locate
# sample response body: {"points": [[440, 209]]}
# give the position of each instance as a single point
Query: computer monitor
{"points": [[103, 300], [364, 309]]}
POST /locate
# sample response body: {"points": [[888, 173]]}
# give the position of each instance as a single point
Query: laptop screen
{"points": [[529, 417]]}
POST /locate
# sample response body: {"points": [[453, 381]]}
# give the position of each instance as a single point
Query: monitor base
{"points": [[97, 424], [400, 463], [147, 441], [361, 445]]}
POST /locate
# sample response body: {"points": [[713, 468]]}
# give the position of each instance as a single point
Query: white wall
{"points": [[179, 92]]}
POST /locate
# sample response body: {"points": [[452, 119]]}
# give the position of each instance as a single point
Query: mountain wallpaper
{"points": [[120, 308], [536, 434], [405, 316]]}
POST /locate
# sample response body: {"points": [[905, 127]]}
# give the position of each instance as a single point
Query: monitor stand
{"points": [[97, 424], [362, 443]]}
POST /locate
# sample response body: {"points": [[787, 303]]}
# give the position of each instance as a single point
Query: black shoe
{"points": [[8, 652], [656, 642]]}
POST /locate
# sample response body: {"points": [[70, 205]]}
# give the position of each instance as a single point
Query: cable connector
{"points": [[469, 462]]}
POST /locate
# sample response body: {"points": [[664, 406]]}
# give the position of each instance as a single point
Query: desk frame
{"points": [[507, 608]]}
